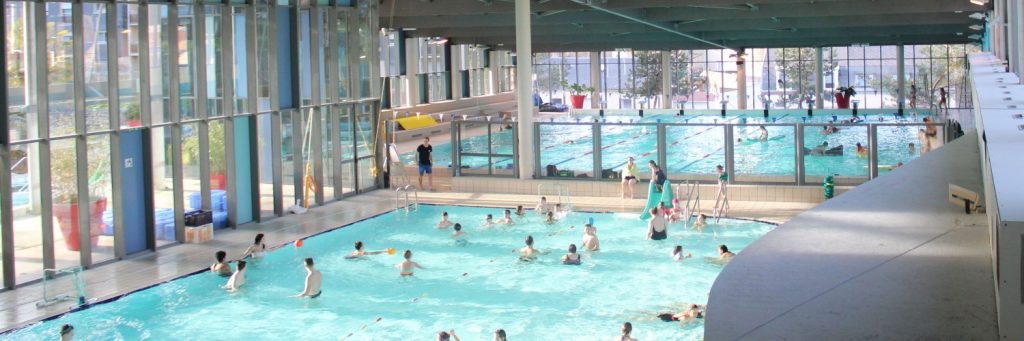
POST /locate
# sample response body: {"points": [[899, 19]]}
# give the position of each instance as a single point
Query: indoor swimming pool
{"points": [[696, 150], [474, 288]]}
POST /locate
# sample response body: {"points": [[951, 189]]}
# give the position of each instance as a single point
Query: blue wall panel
{"points": [[243, 171], [284, 56], [133, 199]]}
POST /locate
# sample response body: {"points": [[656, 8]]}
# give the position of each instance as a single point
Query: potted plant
{"points": [[190, 149], [843, 95], [64, 178], [578, 93], [133, 115]]}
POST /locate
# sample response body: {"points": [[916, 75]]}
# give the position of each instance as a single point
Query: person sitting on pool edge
{"points": [[221, 267], [571, 258], [507, 219], [359, 252], [627, 328], [407, 266], [629, 179], [657, 227], [257, 249], [724, 253], [657, 175], [311, 288], [237, 279], [444, 223], [590, 241], [447, 336], [677, 253], [543, 207]]}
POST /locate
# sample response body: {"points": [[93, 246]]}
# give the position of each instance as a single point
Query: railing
{"points": [[399, 204], [597, 150]]}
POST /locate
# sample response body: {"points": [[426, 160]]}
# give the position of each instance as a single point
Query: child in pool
{"points": [[520, 212], [590, 241], [444, 223], [489, 221], [550, 218], [701, 221], [458, 234], [406, 267], [677, 253], [507, 219], [571, 258]]}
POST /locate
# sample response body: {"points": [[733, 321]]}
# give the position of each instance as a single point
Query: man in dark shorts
{"points": [[426, 161]]}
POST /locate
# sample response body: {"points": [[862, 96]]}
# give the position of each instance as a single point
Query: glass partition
{"points": [[767, 155], [693, 151], [832, 150], [485, 148], [566, 150], [621, 141]]}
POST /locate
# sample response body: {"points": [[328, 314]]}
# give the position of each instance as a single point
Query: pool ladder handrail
{"points": [[692, 201], [723, 209], [561, 191], [415, 204]]}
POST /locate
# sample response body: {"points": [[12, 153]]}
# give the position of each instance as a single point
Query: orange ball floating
{"points": [[298, 243], [391, 250]]}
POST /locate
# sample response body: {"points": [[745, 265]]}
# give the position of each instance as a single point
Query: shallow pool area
{"points": [[473, 288]]}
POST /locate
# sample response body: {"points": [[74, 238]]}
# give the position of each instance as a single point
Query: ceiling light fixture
{"points": [[976, 27], [974, 37], [977, 16], [979, 2]]}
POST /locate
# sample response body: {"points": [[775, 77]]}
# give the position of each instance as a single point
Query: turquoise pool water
{"points": [[697, 150], [474, 289]]}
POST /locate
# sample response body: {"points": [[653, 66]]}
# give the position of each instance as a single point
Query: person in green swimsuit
{"points": [[629, 179], [723, 180]]}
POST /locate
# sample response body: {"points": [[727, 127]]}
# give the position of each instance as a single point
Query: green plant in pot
{"points": [[64, 179], [577, 93], [190, 149], [132, 114]]}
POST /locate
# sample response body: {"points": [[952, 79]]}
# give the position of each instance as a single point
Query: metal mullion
{"points": [[275, 101], [174, 109], [199, 65], [799, 140], [145, 111], [6, 207], [251, 63], [204, 164], [316, 153], [227, 79], [229, 171], [331, 55], [82, 159], [872, 151], [298, 136], [336, 156], [353, 130], [275, 151], [114, 108], [315, 139], [595, 145], [515, 149]]}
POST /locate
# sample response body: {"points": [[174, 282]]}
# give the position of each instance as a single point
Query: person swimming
{"points": [[627, 328], [447, 336], [861, 151], [359, 252], [677, 253], [701, 221], [764, 134], [550, 219], [661, 209], [507, 219], [311, 288], [543, 207], [528, 253], [221, 267], [657, 226], [489, 220], [724, 253], [67, 332], [520, 212], [444, 223], [458, 232], [257, 249], [911, 149], [499, 335], [590, 241], [407, 266], [571, 258], [692, 311], [237, 279]]}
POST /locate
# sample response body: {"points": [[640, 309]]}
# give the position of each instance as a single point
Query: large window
{"points": [[551, 70], [434, 75], [183, 72], [392, 67], [506, 70], [475, 63]]}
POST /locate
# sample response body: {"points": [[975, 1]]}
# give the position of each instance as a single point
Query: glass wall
{"points": [[551, 70], [159, 85]]}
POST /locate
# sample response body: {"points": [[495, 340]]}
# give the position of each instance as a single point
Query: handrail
{"points": [[407, 189]]}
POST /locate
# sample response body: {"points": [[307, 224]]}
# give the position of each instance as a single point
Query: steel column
{"points": [[819, 84], [114, 120], [730, 153], [799, 154], [524, 89], [872, 151]]}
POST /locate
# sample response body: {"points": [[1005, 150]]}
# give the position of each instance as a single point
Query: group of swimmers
{"points": [[256, 251]]}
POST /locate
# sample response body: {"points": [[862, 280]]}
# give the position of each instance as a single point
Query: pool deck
{"points": [[890, 259], [17, 307]]}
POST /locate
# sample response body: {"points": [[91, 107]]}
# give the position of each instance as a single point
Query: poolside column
{"points": [[666, 80], [741, 79], [901, 79], [524, 89], [595, 80], [819, 84]]}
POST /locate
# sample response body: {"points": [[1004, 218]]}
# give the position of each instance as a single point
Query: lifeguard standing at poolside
{"points": [[426, 162]]}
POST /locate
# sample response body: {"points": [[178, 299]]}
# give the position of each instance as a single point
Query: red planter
{"points": [[218, 181], [577, 101], [134, 123], [67, 218]]}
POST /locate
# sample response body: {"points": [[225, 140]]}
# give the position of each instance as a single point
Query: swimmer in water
{"points": [[489, 221], [571, 258], [520, 212], [764, 134], [662, 210], [221, 267], [677, 253], [67, 332], [911, 149], [237, 279], [627, 328], [406, 267], [590, 241], [528, 253], [861, 151], [550, 218], [724, 253], [657, 226], [507, 219], [359, 252], [311, 288], [543, 207], [458, 234], [257, 249], [447, 336], [692, 311], [701, 221], [499, 335], [444, 223]]}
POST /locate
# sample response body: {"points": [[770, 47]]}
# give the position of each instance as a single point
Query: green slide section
{"points": [[654, 197]]}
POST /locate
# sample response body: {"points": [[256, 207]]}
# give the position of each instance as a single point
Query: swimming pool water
{"points": [[697, 149], [473, 289]]}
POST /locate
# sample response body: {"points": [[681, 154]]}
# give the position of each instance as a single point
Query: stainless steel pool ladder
{"points": [[415, 204], [723, 209], [692, 200], [76, 280]]}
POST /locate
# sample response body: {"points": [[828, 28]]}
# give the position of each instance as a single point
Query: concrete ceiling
{"points": [[597, 25]]}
